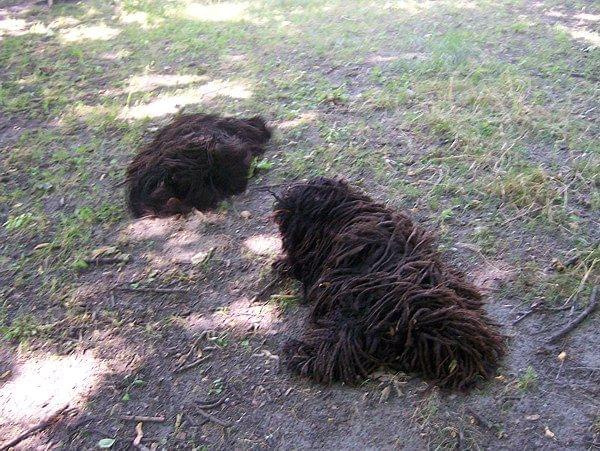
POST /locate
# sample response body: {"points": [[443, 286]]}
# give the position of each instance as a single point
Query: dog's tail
{"points": [[456, 347]]}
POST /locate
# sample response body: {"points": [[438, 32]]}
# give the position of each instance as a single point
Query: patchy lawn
{"points": [[480, 117]]}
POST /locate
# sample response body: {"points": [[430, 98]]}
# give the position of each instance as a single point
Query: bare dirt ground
{"points": [[479, 117]]}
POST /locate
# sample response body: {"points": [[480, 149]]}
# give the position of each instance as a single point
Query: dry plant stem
{"points": [[191, 365], [152, 290], [208, 416], [143, 419], [593, 304]]}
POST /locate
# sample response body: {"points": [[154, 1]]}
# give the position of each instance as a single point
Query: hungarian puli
{"points": [[196, 161], [380, 293]]}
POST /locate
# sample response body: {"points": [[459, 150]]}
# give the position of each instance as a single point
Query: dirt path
{"points": [[480, 118]]}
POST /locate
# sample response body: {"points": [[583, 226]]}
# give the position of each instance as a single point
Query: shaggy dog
{"points": [[380, 294], [194, 162]]}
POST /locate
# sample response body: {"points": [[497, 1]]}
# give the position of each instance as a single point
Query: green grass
{"points": [[528, 380], [479, 118], [479, 122]]}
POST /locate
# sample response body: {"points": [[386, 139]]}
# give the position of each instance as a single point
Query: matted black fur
{"points": [[380, 294], [194, 162]]}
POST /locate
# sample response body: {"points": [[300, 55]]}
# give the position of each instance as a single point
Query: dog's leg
{"points": [[331, 352]]}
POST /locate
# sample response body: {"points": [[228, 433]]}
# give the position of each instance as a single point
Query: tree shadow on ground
{"points": [[96, 76]]}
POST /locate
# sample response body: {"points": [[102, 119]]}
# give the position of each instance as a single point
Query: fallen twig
{"points": [[151, 290], [208, 416], [592, 305], [191, 365], [534, 308], [143, 419], [520, 215], [40, 427], [210, 405], [558, 309], [107, 260], [523, 316], [267, 187], [266, 289]]}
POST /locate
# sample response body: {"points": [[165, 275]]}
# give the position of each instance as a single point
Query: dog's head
{"points": [[261, 127], [151, 193]]}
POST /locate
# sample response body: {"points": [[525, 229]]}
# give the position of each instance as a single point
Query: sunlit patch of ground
{"points": [[150, 227], [12, 27], [168, 104], [302, 119], [150, 82], [242, 315], [182, 240], [217, 12], [265, 245], [79, 33], [41, 385], [587, 36]]}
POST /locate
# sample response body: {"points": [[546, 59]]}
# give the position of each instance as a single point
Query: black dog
{"points": [[380, 293], [194, 162]]}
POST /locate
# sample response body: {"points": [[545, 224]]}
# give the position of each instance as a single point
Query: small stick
{"points": [[523, 316], [520, 215], [264, 291], [40, 427], [152, 290], [195, 363], [267, 187], [534, 308], [592, 305], [106, 260], [210, 405], [208, 416], [142, 419]]}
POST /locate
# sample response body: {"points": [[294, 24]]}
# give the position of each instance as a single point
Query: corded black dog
{"points": [[380, 294], [194, 162]]}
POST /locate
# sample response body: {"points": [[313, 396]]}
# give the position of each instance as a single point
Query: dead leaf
{"points": [[178, 421], [532, 417], [548, 433], [202, 257], [398, 387], [245, 214], [380, 375], [104, 251], [557, 265], [267, 354], [562, 356], [385, 394], [139, 434]]}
